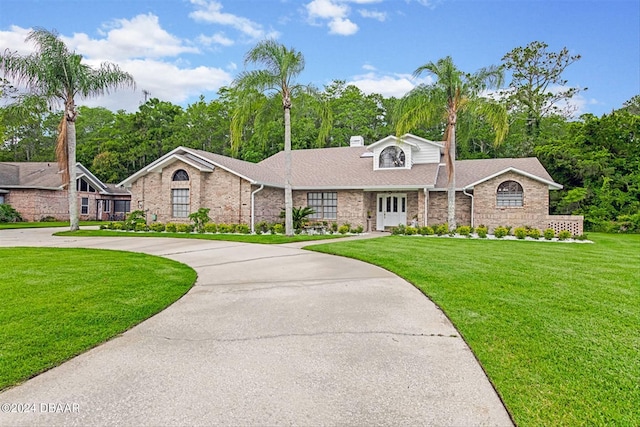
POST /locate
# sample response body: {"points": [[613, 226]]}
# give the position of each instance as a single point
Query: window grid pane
{"points": [[509, 194], [325, 205], [180, 202]]}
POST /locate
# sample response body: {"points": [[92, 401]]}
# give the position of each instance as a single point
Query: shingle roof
{"points": [[469, 172], [343, 167], [40, 175]]}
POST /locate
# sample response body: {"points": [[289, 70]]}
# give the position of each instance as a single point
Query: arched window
{"points": [[180, 175], [392, 157], [509, 194]]}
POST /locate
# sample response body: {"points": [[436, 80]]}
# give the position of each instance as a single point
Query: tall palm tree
{"points": [[453, 92], [58, 75], [281, 66]]}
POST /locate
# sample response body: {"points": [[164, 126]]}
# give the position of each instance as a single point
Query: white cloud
{"points": [[396, 85], [336, 12], [211, 12], [172, 81], [368, 67], [140, 37], [216, 39], [380, 16]]}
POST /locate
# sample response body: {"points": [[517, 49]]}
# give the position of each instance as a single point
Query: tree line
{"points": [[596, 159]]}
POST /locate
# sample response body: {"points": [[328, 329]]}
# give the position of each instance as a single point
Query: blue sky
{"points": [[179, 49]]}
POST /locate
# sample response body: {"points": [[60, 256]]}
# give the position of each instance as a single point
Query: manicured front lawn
{"points": [[265, 239], [556, 326], [57, 303]]}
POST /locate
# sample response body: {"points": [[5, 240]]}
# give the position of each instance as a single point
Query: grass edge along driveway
{"points": [[58, 302], [554, 325]]}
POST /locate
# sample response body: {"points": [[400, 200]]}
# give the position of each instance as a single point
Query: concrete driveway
{"points": [[269, 335]]}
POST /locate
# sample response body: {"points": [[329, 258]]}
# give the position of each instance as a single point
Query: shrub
{"points": [[500, 232], [482, 232], [441, 229], [9, 214], [334, 227], [200, 218], [184, 228], [117, 226], [141, 227], [534, 233], [400, 229], [564, 235], [464, 230], [262, 227], [157, 227], [410, 231], [581, 237], [358, 230], [243, 229], [210, 227], [549, 234], [425, 230], [133, 219], [47, 219], [224, 228], [520, 233], [344, 228], [171, 227], [277, 228]]}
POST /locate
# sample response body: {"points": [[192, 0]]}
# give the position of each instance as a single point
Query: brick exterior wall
{"points": [[226, 195], [534, 211], [36, 204], [437, 209], [269, 202]]}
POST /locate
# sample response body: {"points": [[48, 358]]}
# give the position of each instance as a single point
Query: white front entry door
{"points": [[392, 210]]}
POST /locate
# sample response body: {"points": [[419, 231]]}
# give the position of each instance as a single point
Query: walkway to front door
{"points": [[392, 210]]}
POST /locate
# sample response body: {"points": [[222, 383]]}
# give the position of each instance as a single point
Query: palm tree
{"points": [[282, 66], [453, 92], [58, 75]]}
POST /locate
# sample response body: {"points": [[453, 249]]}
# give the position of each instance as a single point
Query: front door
{"points": [[392, 210]]}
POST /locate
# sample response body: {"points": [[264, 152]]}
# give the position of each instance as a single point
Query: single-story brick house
{"points": [[392, 181], [35, 190]]}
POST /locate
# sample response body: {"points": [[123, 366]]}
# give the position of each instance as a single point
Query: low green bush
{"points": [[141, 227], [482, 231], [358, 230], [262, 227], [224, 228], [410, 231], [426, 230], [500, 232], [344, 229], [520, 233], [277, 228], [549, 234], [534, 233], [243, 229], [184, 228], [564, 235], [171, 227], [400, 229], [441, 229], [210, 227], [464, 230], [157, 227], [118, 226], [47, 219]]}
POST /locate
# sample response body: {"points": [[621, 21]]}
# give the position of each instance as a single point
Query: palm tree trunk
{"points": [[73, 191], [288, 197], [451, 189]]}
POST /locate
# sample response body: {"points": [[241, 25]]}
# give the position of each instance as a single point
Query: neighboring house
{"points": [[392, 181], [35, 190]]}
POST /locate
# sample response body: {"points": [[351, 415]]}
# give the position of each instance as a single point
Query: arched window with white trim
{"points": [[180, 175], [510, 194], [392, 157]]}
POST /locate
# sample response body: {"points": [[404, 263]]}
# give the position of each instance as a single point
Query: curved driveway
{"points": [[269, 335]]}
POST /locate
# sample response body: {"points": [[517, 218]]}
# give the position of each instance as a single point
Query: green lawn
{"points": [[556, 326], [244, 238], [57, 303]]}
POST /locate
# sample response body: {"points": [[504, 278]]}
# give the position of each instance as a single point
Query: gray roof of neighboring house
{"points": [[45, 175]]}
